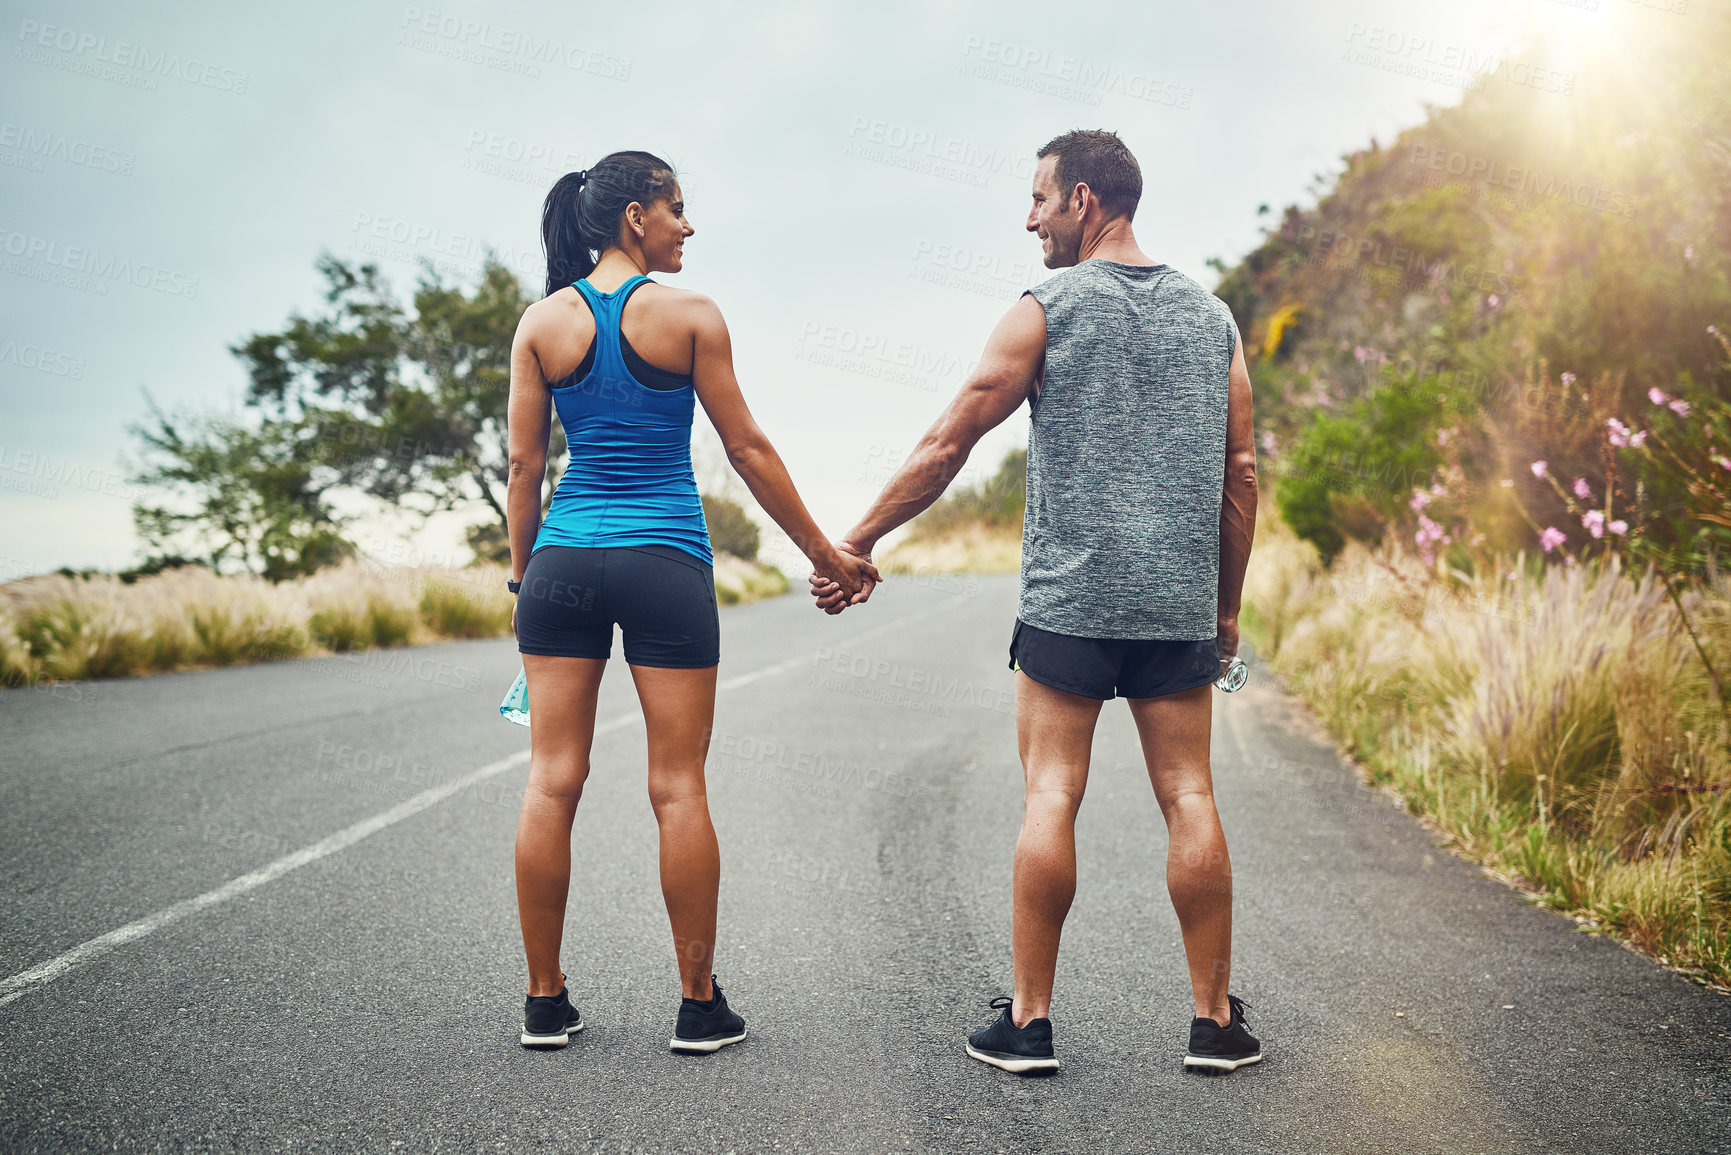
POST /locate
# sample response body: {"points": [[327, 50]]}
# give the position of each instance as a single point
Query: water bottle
{"points": [[1237, 673], [515, 707]]}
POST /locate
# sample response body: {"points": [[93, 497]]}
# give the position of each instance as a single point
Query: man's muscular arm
{"points": [[1238, 501], [1007, 374]]}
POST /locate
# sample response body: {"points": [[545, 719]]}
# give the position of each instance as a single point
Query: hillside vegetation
{"points": [[1492, 383]]}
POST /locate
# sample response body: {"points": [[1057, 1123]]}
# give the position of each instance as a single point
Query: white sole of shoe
{"points": [[558, 1040], [704, 1046], [1014, 1066], [1212, 1064]]}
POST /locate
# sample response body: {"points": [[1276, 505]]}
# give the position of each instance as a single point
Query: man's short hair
{"points": [[1098, 159]]}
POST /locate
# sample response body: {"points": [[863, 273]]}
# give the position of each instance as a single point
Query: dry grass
{"points": [[738, 581], [966, 549], [56, 629], [1557, 724]]}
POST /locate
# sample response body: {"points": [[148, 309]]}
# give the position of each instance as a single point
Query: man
{"points": [[1141, 506]]}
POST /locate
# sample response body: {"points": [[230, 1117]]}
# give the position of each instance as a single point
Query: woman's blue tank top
{"points": [[629, 478]]}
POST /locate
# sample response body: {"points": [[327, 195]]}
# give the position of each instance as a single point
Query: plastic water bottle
{"points": [[1237, 673], [515, 707]]}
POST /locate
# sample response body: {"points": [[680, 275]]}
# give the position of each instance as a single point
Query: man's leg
{"points": [[1175, 736], [1055, 732]]}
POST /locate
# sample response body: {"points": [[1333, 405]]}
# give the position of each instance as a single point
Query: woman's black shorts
{"points": [[663, 599]]}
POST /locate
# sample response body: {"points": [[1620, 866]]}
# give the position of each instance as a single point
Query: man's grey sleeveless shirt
{"points": [[1127, 455]]}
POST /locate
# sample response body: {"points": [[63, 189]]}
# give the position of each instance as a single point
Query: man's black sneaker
{"points": [[549, 1022], [1021, 1050], [705, 1027], [1217, 1048]]}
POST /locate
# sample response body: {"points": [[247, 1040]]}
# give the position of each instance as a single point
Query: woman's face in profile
{"points": [[664, 231]]}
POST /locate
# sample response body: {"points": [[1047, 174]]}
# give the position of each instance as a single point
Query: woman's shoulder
{"points": [[682, 306]]}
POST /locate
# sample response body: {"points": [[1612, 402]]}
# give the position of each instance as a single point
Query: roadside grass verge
{"points": [[60, 629], [1555, 723], [975, 548]]}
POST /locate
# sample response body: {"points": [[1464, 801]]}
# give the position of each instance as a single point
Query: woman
{"points": [[624, 359]]}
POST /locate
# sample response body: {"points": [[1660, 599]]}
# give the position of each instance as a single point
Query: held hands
{"points": [[847, 580]]}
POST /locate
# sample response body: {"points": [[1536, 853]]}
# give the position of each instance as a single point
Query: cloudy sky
{"points": [[857, 174]]}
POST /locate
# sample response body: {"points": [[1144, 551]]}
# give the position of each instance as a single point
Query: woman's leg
{"points": [[561, 728], [678, 709]]}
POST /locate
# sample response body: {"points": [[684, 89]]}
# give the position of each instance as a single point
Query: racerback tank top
{"points": [[629, 479]]}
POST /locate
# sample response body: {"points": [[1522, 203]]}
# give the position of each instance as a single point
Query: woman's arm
{"points": [[528, 417], [755, 459]]}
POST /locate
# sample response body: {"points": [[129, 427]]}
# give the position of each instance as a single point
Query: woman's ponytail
{"points": [[568, 258], [580, 219]]}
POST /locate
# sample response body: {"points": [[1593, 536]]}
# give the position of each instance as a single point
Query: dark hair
{"points": [[1098, 159], [580, 219]]}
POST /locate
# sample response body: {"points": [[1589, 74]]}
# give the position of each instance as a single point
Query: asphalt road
{"points": [[866, 792]]}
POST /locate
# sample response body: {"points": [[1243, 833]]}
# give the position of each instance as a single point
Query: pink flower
{"points": [[1657, 395], [1494, 300], [1360, 352], [1582, 490], [1722, 461], [1569, 378], [1552, 538], [1620, 434], [1594, 520], [1680, 407], [1688, 252], [1618, 527], [1636, 440], [1268, 443], [1429, 535], [1438, 489], [1539, 469], [1420, 499]]}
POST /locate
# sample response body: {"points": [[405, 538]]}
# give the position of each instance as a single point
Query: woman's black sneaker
{"points": [[1020, 1050], [1217, 1048], [549, 1022], [708, 1026]]}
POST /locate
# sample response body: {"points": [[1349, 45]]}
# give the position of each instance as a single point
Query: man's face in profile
{"points": [[1050, 217]]}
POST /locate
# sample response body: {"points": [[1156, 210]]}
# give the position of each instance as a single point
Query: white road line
{"points": [[25, 981]]}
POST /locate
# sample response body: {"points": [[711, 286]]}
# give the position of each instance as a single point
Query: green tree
{"points": [[405, 403], [234, 496], [408, 403]]}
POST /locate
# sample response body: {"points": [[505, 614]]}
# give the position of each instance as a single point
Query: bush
{"points": [[460, 610], [1558, 723], [731, 529]]}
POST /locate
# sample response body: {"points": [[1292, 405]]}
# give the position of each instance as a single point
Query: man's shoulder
{"points": [[1048, 290]]}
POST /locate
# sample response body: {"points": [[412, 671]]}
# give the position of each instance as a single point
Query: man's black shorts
{"points": [[662, 598], [1111, 667]]}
